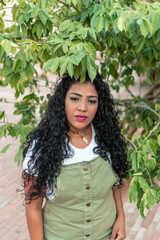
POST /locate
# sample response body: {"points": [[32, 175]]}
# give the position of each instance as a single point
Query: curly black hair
{"points": [[51, 140]]}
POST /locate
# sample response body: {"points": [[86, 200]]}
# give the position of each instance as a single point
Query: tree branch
{"points": [[6, 8], [128, 90], [128, 102], [145, 106], [8, 20], [9, 123], [67, 5], [154, 87], [152, 130], [131, 142], [148, 174]]}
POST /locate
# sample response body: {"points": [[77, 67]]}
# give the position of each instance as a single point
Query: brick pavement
{"points": [[12, 212]]}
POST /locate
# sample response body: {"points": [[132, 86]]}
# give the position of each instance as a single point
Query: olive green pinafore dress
{"points": [[83, 207]]}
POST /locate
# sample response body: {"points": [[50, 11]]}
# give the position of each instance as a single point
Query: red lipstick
{"points": [[81, 118]]}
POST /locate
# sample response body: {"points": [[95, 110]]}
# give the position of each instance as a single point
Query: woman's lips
{"points": [[80, 118]]}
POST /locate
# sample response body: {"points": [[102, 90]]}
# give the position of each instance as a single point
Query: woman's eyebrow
{"points": [[79, 95], [92, 97]]}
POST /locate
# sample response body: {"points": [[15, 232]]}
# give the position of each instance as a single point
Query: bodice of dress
{"points": [[83, 207]]}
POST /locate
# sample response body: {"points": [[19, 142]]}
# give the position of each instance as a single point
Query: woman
{"points": [[76, 160]]}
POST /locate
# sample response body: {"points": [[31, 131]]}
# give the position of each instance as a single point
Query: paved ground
{"points": [[12, 212]]}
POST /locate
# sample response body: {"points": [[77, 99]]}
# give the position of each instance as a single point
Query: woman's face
{"points": [[81, 105]]}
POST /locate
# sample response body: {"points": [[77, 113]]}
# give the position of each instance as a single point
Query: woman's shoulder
{"points": [[28, 162]]}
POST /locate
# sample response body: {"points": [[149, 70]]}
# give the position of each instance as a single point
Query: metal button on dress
{"points": [[88, 204], [88, 220], [88, 187], [87, 235], [85, 168]]}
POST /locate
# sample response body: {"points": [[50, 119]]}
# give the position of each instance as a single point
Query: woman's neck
{"points": [[81, 139]]}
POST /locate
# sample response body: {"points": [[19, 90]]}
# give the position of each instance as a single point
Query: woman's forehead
{"points": [[86, 88]]}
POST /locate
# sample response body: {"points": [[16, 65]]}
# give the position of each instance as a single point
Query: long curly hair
{"points": [[51, 141]]}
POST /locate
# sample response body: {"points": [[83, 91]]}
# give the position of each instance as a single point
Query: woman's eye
{"points": [[92, 101], [74, 98]]}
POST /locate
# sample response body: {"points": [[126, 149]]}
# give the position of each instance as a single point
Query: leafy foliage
{"points": [[67, 36]]}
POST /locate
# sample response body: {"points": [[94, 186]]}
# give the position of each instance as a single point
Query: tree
{"points": [[66, 36]]}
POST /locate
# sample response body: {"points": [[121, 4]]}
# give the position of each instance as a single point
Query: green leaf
{"points": [[151, 199], [134, 137], [2, 114], [39, 29], [151, 147], [156, 53], [150, 80], [84, 64], [121, 24], [18, 155], [140, 45], [92, 69], [143, 183], [143, 28], [74, 2], [141, 208], [34, 12], [48, 64], [106, 24], [43, 17], [82, 77], [20, 18], [5, 148], [27, 98], [158, 140], [156, 21], [134, 160], [16, 65], [64, 25], [77, 72], [63, 66], [110, 42], [24, 30], [6, 45], [90, 50], [58, 46], [23, 133], [94, 21], [133, 194], [44, 3], [74, 60], [145, 149], [54, 66], [79, 47], [3, 130], [70, 69], [1, 51], [151, 163], [100, 23], [65, 48], [91, 32], [149, 26], [83, 32], [150, 121], [139, 158], [17, 31], [156, 36], [77, 57]]}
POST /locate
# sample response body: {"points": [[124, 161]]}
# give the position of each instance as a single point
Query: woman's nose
{"points": [[82, 106]]}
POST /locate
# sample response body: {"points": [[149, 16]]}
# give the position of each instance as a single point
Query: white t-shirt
{"points": [[80, 155]]}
